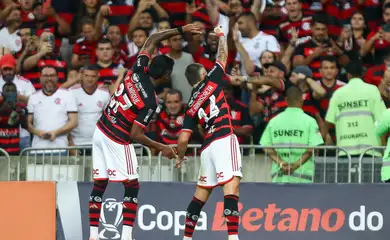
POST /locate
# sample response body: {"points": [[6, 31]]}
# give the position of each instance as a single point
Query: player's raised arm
{"points": [[222, 53], [155, 38]]}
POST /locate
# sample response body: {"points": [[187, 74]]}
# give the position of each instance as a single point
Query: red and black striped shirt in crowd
{"points": [[28, 20], [177, 12], [121, 56], [381, 48], [310, 7], [338, 14], [84, 47], [303, 27], [120, 15], [372, 13], [306, 49], [323, 103], [270, 24], [9, 135], [375, 74], [208, 107], [134, 102], [108, 74], [240, 117], [53, 61], [169, 126], [273, 101]]}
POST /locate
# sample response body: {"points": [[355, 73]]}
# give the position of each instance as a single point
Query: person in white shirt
{"points": [[52, 112], [254, 41], [91, 101], [233, 9], [9, 35], [24, 89]]}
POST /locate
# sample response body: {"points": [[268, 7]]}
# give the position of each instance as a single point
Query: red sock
{"points": [[130, 203], [231, 214], [95, 203]]}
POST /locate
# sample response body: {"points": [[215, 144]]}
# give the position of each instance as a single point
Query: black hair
{"points": [[44, 67], [104, 41], [160, 66], [91, 67], [331, 59], [87, 21], [386, 6], [293, 94], [9, 84], [141, 29], [355, 68], [174, 92], [192, 73], [320, 18]]}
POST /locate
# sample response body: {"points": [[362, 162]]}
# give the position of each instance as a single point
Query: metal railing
{"points": [[75, 164], [5, 166], [68, 163], [257, 166]]}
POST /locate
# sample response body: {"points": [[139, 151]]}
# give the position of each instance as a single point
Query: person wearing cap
{"points": [[292, 127], [354, 109]]}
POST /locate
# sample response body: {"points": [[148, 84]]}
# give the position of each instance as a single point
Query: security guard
{"points": [[292, 128], [383, 128]]}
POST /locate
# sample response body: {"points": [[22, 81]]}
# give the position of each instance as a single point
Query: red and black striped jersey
{"points": [[120, 15], [134, 102], [274, 102], [303, 27], [372, 13], [339, 13], [208, 107], [374, 74], [169, 126], [381, 48], [270, 24], [306, 49], [84, 47], [9, 135], [28, 19], [323, 103], [177, 12], [54, 61], [108, 74], [240, 117]]}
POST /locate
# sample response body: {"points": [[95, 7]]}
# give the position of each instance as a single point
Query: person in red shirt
{"points": [[120, 47], [108, 70], [84, 49], [379, 39], [375, 73]]}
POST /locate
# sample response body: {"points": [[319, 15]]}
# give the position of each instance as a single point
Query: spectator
{"points": [[29, 48], [162, 25], [44, 22], [353, 36], [121, 51], [9, 35], [378, 40], [309, 53], [353, 109], [138, 39], [121, 12], [87, 9], [143, 17], [9, 6], [241, 121], [375, 73], [170, 119], [234, 10], [24, 89], [207, 53], [12, 118], [384, 88], [46, 56], [91, 101], [52, 112], [182, 60], [292, 165], [108, 70], [271, 17], [254, 41], [84, 49], [295, 19], [28, 19]]}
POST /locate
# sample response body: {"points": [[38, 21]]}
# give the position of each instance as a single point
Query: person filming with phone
{"points": [[12, 117]]}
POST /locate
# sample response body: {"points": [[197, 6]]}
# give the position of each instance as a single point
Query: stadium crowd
{"points": [[57, 71]]}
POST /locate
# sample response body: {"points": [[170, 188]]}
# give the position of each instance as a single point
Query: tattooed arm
{"points": [[222, 53], [155, 38]]}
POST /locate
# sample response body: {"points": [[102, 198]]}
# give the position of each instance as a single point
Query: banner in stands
{"points": [[268, 211]]}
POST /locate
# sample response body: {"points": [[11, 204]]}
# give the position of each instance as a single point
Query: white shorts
{"points": [[111, 160], [220, 162]]}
